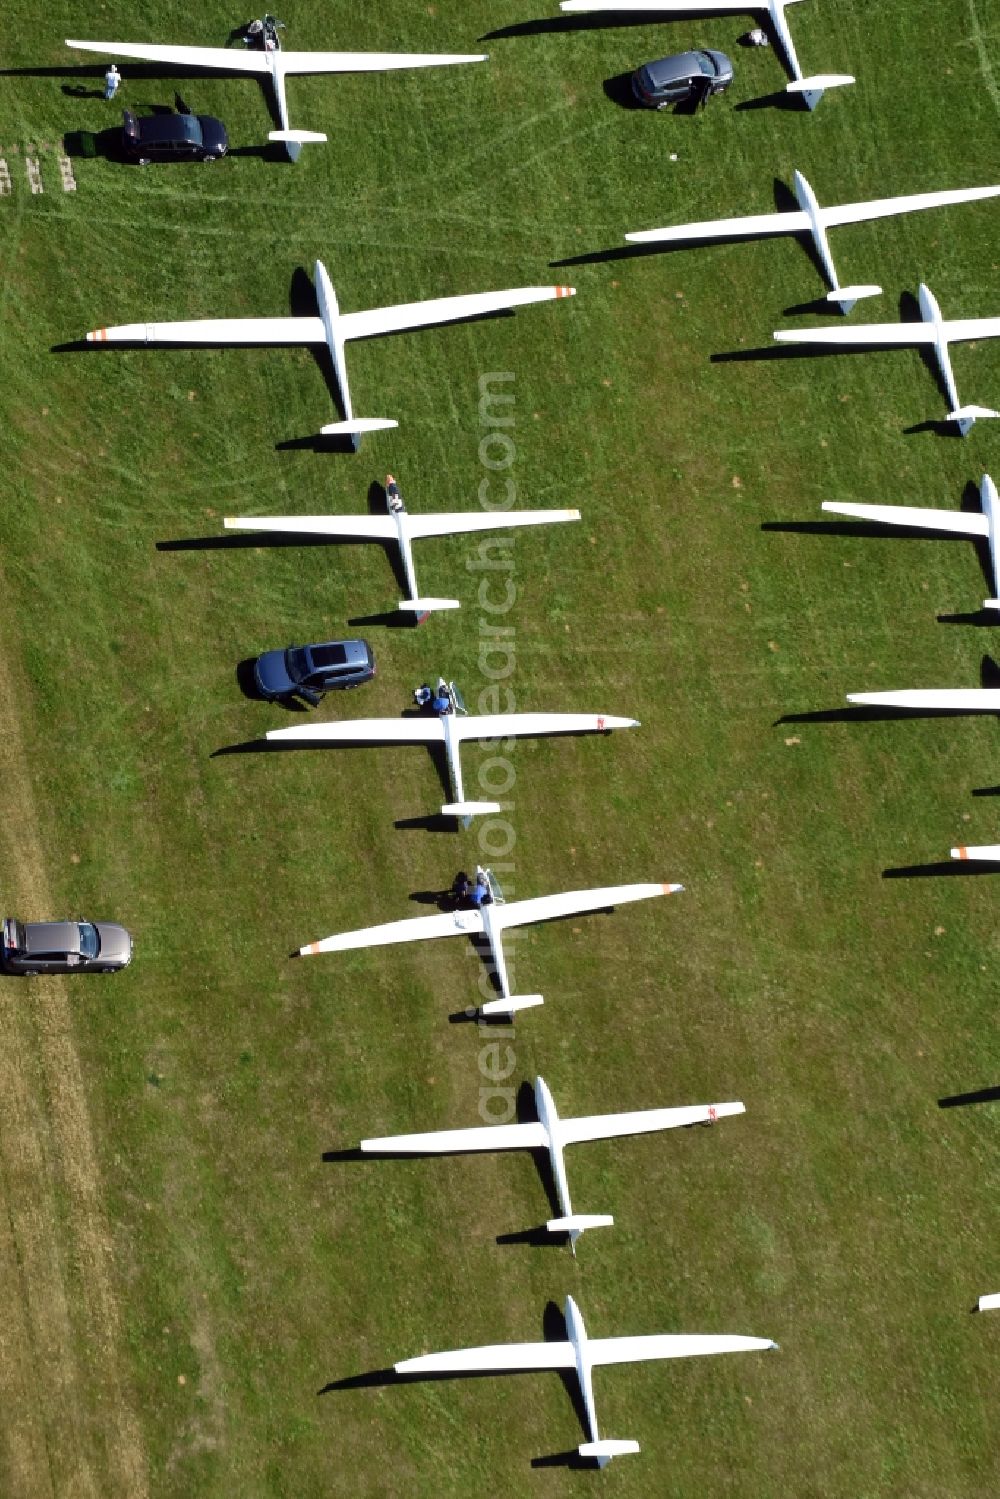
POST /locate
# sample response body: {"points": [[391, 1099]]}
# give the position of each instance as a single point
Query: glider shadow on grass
{"points": [[526, 1113], [437, 752], [963, 1100], [880, 713], [784, 202], [860, 529], [554, 1330]]}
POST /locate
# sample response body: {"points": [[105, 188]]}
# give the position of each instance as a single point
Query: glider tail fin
{"points": [[605, 1450]]}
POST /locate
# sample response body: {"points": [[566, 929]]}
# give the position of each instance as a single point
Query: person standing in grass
{"points": [[112, 82]]}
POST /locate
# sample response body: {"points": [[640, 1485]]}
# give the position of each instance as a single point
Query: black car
{"points": [[310, 670], [64, 946], [173, 137], [680, 79]]}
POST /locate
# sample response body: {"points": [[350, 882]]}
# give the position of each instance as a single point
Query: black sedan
{"points": [[173, 137], [308, 671]]}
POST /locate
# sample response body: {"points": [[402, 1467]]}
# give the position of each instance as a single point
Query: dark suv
{"points": [[679, 80], [64, 946], [170, 137], [310, 670]]}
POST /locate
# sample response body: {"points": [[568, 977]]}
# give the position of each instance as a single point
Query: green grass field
{"points": [[184, 1272]]}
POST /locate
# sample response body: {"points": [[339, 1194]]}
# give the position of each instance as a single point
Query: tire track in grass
{"points": [[68, 1427], [985, 65]]}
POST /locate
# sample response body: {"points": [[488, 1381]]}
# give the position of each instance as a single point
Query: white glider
{"points": [[403, 528], [987, 1303], [811, 89], [332, 328], [932, 332], [553, 1134], [490, 921], [953, 522], [582, 1354], [277, 64], [815, 221], [450, 729]]}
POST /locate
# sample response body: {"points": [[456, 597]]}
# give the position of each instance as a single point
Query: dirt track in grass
{"points": [[68, 1425]]}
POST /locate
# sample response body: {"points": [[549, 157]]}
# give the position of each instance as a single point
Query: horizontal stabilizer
{"points": [[987, 1303], [606, 1450], [853, 293], [987, 853], [469, 809], [358, 424], [427, 606], [578, 1223], [508, 1006], [812, 89], [965, 416], [296, 137]]}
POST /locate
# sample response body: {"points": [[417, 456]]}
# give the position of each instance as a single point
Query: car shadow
{"points": [[92, 145], [619, 90]]}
